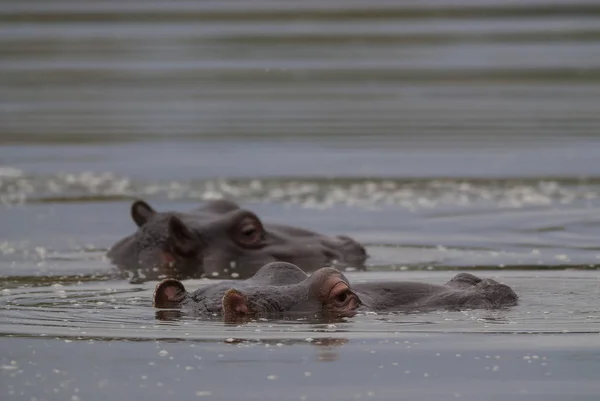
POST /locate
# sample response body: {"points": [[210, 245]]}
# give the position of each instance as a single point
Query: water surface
{"points": [[446, 136]]}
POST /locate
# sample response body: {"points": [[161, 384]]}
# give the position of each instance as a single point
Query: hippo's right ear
{"points": [[235, 305], [183, 238], [141, 212], [168, 293]]}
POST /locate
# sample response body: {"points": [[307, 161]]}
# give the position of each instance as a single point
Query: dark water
{"points": [[446, 136]]}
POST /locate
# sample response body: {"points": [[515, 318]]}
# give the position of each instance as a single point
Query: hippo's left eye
{"points": [[249, 232]]}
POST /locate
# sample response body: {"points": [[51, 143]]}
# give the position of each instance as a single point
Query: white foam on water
{"points": [[317, 193]]}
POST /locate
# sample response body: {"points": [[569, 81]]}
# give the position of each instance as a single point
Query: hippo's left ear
{"points": [[235, 305], [141, 212], [168, 293]]}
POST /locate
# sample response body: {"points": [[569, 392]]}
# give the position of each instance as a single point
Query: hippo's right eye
{"points": [[342, 297], [341, 294], [249, 232]]}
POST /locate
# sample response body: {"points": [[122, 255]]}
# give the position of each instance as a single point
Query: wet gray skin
{"points": [[222, 240], [282, 289]]}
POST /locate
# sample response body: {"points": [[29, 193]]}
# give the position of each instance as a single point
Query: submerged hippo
{"points": [[221, 239], [280, 289]]}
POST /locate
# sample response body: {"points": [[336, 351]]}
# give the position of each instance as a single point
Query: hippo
{"points": [[282, 289], [220, 240]]}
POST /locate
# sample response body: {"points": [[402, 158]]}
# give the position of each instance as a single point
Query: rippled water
{"points": [[446, 136]]}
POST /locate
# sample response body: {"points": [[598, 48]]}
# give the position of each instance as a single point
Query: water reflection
{"points": [[169, 315], [325, 347], [316, 321]]}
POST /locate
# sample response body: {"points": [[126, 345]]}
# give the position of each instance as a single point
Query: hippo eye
{"points": [[342, 297], [249, 232], [341, 300], [340, 293]]}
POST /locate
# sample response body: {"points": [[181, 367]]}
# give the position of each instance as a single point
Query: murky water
{"points": [[446, 136]]}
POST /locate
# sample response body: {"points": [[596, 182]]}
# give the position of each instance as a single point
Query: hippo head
{"points": [[222, 240], [277, 290]]}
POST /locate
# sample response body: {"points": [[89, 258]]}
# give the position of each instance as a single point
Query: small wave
{"points": [[17, 187]]}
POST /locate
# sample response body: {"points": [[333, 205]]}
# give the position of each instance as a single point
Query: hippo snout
{"points": [[498, 294], [353, 251]]}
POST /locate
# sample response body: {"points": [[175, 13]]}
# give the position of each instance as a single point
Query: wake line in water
{"points": [[17, 187]]}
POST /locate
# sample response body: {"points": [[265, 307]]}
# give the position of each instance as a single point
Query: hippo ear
{"points": [[235, 305], [141, 212], [183, 238], [168, 293]]}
